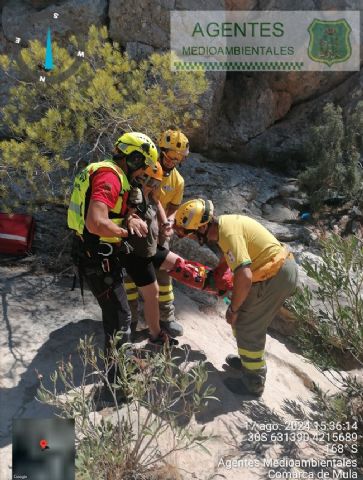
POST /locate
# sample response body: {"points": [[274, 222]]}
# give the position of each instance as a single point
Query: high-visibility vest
{"points": [[77, 205]]}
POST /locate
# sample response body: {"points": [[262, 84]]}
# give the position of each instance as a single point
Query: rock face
{"points": [[261, 118], [28, 19], [275, 131]]}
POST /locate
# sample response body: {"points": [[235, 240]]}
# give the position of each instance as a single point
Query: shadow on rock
{"points": [[19, 401], [267, 431], [227, 401]]}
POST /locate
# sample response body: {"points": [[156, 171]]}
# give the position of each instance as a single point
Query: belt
{"points": [[272, 267]]}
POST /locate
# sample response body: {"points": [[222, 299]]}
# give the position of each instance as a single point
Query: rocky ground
{"points": [[43, 322]]}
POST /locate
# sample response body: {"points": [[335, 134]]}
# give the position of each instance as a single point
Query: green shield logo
{"points": [[329, 41]]}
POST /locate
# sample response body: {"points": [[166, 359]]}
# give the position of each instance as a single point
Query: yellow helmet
{"points": [[193, 214], [174, 140], [138, 142]]}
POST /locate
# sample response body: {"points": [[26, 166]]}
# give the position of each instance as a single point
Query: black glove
{"points": [[163, 338]]}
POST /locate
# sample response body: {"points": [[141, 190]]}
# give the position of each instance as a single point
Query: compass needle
{"points": [[63, 54], [48, 65]]}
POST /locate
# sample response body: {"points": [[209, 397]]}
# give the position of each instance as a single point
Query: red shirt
{"points": [[106, 187]]}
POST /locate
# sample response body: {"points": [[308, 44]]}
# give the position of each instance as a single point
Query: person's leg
{"points": [[254, 317], [166, 296], [150, 294], [133, 300], [165, 260], [109, 291], [142, 272]]}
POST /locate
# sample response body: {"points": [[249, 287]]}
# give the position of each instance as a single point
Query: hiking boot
{"points": [[234, 362], [133, 334], [239, 387], [247, 383], [103, 397], [171, 327]]}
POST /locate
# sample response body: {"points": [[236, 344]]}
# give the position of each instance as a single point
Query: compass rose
{"points": [[49, 23]]}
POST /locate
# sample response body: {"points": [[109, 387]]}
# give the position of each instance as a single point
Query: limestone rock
{"points": [[149, 21], [138, 51], [282, 144], [19, 18], [209, 104], [288, 190], [189, 249], [279, 213]]}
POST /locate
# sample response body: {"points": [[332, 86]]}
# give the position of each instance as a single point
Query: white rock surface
{"points": [[43, 322]]}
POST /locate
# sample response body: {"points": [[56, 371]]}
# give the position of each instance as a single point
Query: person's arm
{"points": [[105, 191], [242, 282], [164, 222], [98, 223], [171, 210]]}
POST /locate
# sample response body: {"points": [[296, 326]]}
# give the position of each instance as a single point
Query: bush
{"points": [[330, 321], [54, 128], [334, 151], [153, 424], [331, 316], [344, 408]]}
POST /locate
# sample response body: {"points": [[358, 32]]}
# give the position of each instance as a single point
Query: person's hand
{"points": [[167, 229], [137, 226], [231, 317], [135, 196]]}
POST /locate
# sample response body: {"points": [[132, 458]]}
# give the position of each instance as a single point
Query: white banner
{"points": [[265, 40]]}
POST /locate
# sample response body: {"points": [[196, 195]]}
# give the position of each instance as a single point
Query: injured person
{"points": [[147, 256]]}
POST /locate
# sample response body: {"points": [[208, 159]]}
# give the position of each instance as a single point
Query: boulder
{"points": [[22, 19], [263, 117], [278, 212], [145, 27]]}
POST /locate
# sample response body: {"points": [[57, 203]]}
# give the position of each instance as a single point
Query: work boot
{"points": [[234, 362], [248, 383], [103, 397], [133, 328], [172, 328]]}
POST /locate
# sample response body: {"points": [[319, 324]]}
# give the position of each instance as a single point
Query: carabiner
{"points": [[107, 254]]}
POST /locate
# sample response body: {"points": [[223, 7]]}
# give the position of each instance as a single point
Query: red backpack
{"points": [[16, 233]]}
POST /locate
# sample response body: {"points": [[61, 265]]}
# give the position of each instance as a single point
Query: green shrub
{"points": [[56, 127], [163, 395], [334, 150], [344, 408], [330, 328], [331, 316]]}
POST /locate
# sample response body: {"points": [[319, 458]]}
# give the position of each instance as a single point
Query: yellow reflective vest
{"points": [[77, 205]]}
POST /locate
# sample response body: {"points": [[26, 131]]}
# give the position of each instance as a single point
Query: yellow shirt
{"points": [[172, 189], [246, 242]]}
